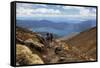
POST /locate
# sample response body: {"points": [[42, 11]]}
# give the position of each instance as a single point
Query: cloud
{"points": [[46, 11], [72, 7], [24, 5], [83, 11], [24, 12], [43, 5], [87, 12], [30, 11]]}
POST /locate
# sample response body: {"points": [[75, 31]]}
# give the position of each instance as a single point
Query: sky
{"points": [[28, 11]]}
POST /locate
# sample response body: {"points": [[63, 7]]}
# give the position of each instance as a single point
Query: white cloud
{"points": [[86, 12], [83, 11], [23, 11], [67, 7], [45, 10], [43, 5], [24, 5], [26, 10], [72, 7]]}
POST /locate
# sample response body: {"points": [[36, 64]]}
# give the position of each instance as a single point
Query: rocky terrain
{"points": [[31, 48], [84, 44]]}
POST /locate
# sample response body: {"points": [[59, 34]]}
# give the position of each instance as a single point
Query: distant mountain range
{"points": [[60, 28]]}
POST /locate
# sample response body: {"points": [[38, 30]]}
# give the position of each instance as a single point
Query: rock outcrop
{"points": [[25, 56]]}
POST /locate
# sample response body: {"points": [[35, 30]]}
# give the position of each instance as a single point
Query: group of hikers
{"points": [[47, 39]]}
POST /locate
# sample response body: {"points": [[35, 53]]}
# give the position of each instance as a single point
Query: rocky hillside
{"points": [[84, 43], [32, 48]]}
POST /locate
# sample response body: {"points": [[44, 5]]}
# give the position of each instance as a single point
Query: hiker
{"points": [[51, 37], [48, 38]]}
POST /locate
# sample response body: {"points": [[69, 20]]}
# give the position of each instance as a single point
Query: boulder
{"points": [[24, 56]]}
